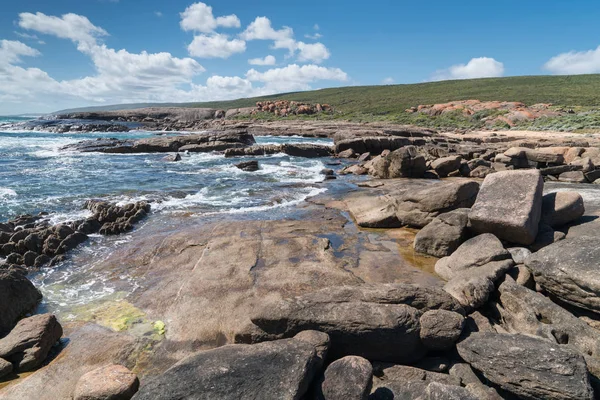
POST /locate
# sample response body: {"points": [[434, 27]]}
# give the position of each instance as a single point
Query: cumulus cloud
{"points": [[70, 26], [575, 62], [295, 77], [262, 29], [199, 18], [268, 60], [388, 81], [316, 52], [215, 46], [482, 67]]}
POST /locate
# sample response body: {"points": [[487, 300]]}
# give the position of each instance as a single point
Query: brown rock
{"points": [[112, 382]]}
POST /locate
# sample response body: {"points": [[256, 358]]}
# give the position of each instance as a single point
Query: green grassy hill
{"points": [[387, 103], [580, 90]]}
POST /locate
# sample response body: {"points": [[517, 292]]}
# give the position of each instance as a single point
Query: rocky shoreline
{"points": [[467, 284]]}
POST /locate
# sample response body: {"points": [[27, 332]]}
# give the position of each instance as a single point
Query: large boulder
{"points": [[442, 236], [29, 343], [475, 252], [281, 369], [375, 322], [561, 208], [509, 205], [111, 382], [349, 378], [405, 162], [419, 208], [568, 269], [528, 367], [18, 296]]}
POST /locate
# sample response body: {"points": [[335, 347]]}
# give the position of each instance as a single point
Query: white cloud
{"points": [[316, 27], [199, 18], [295, 77], [575, 62], [124, 77], [11, 51], [70, 26], [482, 67], [316, 36], [268, 60], [215, 46], [316, 52], [388, 81], [261, 29], [158, 13]]}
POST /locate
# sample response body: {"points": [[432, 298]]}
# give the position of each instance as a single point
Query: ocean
{"points": [[36, 175]]}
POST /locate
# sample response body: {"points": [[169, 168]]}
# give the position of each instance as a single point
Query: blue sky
{"points": [[63, 53]]}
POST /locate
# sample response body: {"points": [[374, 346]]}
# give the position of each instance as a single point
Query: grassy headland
{"points": [[580, 93]]}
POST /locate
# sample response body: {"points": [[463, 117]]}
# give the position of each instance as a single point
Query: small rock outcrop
{"points": [[561, 208], [306, 150], [509, 205]]}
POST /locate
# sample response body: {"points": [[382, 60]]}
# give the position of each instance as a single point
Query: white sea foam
{"points": [[7, 192]]}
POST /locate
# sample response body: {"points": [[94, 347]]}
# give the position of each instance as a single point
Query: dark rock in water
{"points": [[205, 142], [327, 172], [114, 382], [528, 367], [376, 144], [115, 219], [281, 369], [568, 269], [29, 258], [561, 208], [172, 157], [509, 205], [442, 236], [349, 378], [376, 322], [18, 297], [248, 166], [29, 342], [70, 242], [306, 150]]}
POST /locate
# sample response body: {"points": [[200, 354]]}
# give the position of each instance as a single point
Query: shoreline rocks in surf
{"points": [[31, 242]]}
